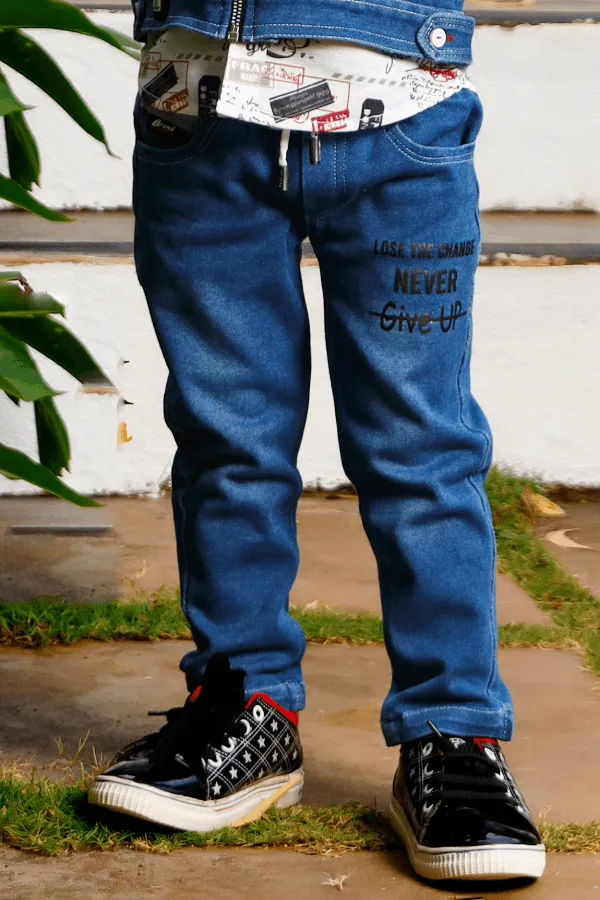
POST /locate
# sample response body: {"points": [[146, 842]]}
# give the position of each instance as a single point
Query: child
{"points": [[260, 123]]}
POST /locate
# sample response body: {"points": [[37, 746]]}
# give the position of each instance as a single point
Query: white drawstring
{"points": [[284, 144]]}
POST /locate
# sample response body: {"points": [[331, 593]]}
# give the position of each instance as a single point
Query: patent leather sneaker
{"points": [[217, 762], [459, 812]]}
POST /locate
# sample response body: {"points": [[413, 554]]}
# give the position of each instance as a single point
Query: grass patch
{"points": [[53, 818], [580, 837], [44, 623], [575, 612], [47, 623]]}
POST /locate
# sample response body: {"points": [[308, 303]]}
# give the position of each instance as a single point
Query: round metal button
{"points": [[438, 38]]}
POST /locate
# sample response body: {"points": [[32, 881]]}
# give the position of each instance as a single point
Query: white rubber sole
{"points": [[494, 863], [187, 814]]}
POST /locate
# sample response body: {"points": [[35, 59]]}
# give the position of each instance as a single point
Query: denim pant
{"points": [[392, 216]]}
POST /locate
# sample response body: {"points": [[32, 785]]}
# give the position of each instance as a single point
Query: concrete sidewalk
{"points": [[575, 541], [137, 552], [105, 690], [278, 874]]}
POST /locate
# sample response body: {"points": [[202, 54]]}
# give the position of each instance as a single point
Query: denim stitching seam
{"points": [[183, 20], [481, 498], [448, 708], [464, 157]]}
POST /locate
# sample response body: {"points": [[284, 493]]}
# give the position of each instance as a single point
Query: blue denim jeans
{"points": [[392, 216]]}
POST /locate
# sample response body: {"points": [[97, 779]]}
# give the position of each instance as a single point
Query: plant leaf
{"points": [[54, 449], [51, 338], [23, 155], [14, 193], [14, 464], [52, 14], [124, 39], [19, 373], [14, 301], [11, 275], [8, 102], [23, 55], [128, 45]]}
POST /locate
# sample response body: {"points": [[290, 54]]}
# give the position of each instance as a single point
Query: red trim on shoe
{"points": [[290, 716], [481, 741], [195, 694]]}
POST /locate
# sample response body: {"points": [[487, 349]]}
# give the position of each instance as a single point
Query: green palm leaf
{"points": [[19, 374], [53, 340], [53, 441], [23, 155], [14, 301], [23, 55], [14, 464], [8, 102], [52, 14], [13, 192]]}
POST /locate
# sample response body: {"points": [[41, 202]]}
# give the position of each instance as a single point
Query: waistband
{"points": [[400, 27]]}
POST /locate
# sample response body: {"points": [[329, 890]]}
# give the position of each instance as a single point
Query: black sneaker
{"points": [[459, 812], [217, 762]]}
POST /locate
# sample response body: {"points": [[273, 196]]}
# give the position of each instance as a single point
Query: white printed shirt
{"points": [[300, 85]]}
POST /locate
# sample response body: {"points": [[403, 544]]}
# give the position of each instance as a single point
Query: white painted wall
{"points": [[538, 149], [536, 371]]}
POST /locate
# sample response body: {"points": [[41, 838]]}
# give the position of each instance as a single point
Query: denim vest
{"points": [[434, 29]]}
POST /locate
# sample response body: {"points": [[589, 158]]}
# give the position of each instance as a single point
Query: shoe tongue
{"points": [[222, 690]]}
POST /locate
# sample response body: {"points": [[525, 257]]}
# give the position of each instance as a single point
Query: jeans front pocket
{"points": [[443, 133], [184, 143]]}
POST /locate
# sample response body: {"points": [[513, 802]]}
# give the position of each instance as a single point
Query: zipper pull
{"points": [[233, 34], [315, 149]]}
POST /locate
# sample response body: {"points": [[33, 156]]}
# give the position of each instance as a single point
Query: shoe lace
{"points": [[196, 730], [467, 774], [196, 738]]}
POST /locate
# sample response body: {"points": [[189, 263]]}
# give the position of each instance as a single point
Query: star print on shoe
{"points": [[459, 812], [217, 762]]}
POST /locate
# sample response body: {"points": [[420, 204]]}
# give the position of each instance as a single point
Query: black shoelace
{"points": [[198, 729], [467, 774]]}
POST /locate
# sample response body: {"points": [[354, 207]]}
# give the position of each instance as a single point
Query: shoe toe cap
{"points": [[468, 827]]}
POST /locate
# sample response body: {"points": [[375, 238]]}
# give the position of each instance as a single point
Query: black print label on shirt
{"points": [[295, 103], [391, 317]]}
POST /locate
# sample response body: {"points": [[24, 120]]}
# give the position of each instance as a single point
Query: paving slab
{"points": [[51, 548], [137, 551], [104, 691], [337, 566], [231, 874], [580, 526]]}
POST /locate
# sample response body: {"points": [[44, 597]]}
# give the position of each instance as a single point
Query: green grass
{"points": [[54, 818], [45, 623], [575, 612]]}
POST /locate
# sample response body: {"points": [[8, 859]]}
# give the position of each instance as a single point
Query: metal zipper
{"points": [[237, 17]]}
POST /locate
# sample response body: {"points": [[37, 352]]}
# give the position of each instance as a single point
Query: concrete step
{"points": [[530, 76], [574, 237]]}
